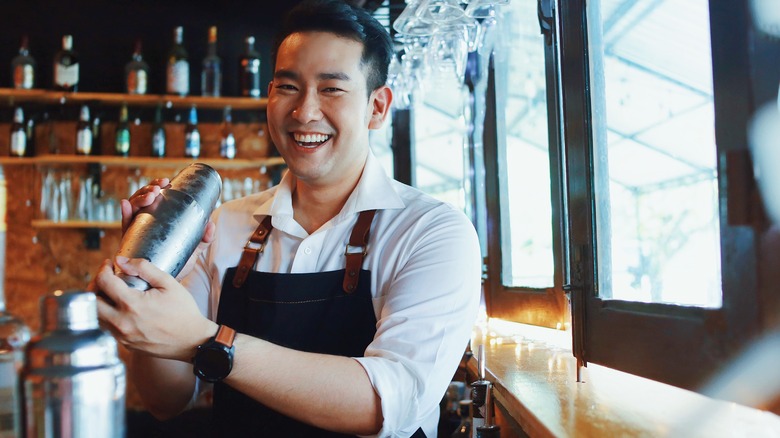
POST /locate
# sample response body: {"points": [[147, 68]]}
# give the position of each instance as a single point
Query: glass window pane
{"points": [[655, 168], [526, 212]]}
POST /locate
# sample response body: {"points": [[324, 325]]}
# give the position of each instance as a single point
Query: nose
{"points": [[308, 108]]}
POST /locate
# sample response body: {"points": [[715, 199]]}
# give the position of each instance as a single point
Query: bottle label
{"points": [[123, 142], [24, 76], [66, 76], [84, 141], [192, 144], [18, 143], [179, 78], [136, 82]]}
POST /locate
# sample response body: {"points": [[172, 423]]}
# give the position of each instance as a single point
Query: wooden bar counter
{"points": [[534, 376]]}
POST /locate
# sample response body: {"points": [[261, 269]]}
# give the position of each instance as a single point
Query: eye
{"points": [[286, 87], [332, 90]]}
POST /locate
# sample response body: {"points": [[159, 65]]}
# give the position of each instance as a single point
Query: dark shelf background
{"points": [[104, 34]]}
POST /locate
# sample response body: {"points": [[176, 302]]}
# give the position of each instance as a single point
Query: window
{"points": [[663, 285]]}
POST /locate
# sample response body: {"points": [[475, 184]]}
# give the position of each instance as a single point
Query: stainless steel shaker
{"points": [[74, 381], [167, 232]]}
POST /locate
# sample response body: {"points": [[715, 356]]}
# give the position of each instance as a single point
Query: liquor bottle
{"points": [[178, 75], [250, 70], [96, 143], [18, 144], [211, 76], [192, 136], [227, 143], [464, 428], [66, 67], [122, 145], [23, 67], [14, 335], [30, 130], [158, 134], [137, 72], [84, 133]]}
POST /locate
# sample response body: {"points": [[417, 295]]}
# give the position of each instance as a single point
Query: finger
{"points": [[107, 313], [144, 269], [209, 231], [112, 286], [127, 214]]}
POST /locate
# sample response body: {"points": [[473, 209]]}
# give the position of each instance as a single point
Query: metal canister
{"points": [[74, 380], [167, 232]]}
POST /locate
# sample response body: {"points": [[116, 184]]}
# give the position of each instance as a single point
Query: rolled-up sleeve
{"points": [[425, 316]]}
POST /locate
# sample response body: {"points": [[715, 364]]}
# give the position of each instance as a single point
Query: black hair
{"points": [[344, 20]]}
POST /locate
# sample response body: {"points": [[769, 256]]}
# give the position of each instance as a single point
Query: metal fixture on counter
{"points": [[74, 381]]}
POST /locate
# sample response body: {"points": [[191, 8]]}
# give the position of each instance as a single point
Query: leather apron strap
{"points": [[252, 250], [357, 240]]}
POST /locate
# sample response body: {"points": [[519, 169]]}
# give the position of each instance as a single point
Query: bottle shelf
{"points": [[11, 97], [217, 163], [74, 224]]}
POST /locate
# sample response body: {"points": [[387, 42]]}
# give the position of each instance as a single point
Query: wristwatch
{"points": [[214, 358]]}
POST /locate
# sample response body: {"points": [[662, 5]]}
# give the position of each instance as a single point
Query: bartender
{"points": [[337, 303]]}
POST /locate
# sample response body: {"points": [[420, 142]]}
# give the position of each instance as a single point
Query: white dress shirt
{"points": [[425, 265]]}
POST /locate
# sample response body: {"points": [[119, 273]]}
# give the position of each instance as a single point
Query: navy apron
{"points": [[322, 312]]}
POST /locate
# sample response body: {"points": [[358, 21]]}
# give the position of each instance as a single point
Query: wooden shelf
{"points": [[106, 160], [74, 224], [11, 97]]}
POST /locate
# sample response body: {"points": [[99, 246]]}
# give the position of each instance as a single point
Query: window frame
{"points": [[546, 307], [674, 344]]}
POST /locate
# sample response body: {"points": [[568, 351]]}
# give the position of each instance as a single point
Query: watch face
{"points": [[213, 363]]}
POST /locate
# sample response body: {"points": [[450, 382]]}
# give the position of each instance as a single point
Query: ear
{"points": [[380, 101]]}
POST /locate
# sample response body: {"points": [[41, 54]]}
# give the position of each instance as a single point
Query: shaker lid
{"points": [[69, 310], [201, 182]]}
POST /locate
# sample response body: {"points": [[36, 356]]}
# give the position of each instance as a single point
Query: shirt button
{"points": [[307, 250]]}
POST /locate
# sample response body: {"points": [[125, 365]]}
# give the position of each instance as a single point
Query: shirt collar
{"points": [[374, 191]]}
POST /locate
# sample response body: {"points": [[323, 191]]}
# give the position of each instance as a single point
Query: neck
{"points": [[314, 205]]}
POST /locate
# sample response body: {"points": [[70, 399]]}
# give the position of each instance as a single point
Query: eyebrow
{"points": [[289, 74]]}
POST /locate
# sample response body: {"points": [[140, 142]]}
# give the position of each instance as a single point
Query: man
{"points": [[332, 338]]}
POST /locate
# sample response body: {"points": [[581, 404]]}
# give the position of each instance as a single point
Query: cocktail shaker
{"points": [[167, 232], [74, 381]]}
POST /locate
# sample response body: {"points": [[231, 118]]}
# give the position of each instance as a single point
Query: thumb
{"points": [[157, 278]]}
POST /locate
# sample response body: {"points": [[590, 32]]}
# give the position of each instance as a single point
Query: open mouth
{"points": [[310, 140]]}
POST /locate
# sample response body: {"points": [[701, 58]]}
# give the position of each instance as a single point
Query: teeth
{"points": [[310, 138]]}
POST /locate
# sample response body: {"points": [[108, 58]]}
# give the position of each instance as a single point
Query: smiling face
{"points": [[319, 111]]}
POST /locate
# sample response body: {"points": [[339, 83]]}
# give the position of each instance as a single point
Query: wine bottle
{"points": [[227, 143], [158, 134], [30, 130], [23, 67], [137, 72], [178, 75], [96, 143], [250, 70], [18, 144], [211, 76], [66, 67], [192, 136], [84, 133], [122, 145], [14, 335]]}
